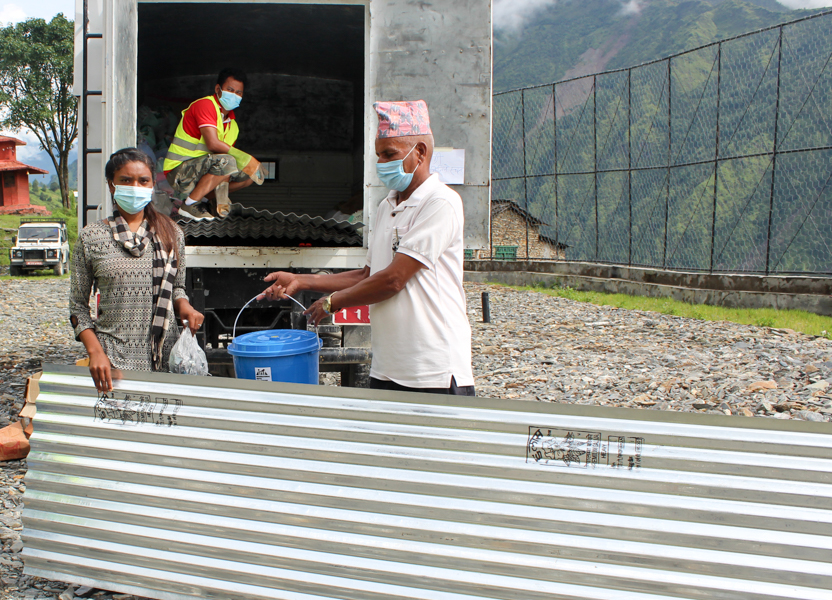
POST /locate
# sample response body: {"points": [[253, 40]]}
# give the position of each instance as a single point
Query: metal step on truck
{"points": [[314, 69]]}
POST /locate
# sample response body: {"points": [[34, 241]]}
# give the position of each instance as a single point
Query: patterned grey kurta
{"points": [[126, 286]]}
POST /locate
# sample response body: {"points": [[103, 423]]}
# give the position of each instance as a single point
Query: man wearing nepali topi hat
{"points": [[413, 274]]}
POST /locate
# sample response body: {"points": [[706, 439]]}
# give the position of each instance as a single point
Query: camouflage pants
{"points": [[183, 179]]}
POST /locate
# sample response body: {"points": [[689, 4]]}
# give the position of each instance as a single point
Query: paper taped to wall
{"points": [[449, 163]]}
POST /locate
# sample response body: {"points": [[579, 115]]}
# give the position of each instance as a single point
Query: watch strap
{"points": [[327, 305]]}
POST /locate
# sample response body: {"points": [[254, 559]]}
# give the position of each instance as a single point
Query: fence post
{"points": [[716, 151], [595, 154], [629, 167], [774, 152], [525, 182], [555, 138], [669, 155]]}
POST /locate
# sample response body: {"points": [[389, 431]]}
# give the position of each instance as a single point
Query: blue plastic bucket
{"points": [[288, 355]]}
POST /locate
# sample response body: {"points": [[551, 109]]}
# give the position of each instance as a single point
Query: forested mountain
{"points": [[670, 164], [578, 37]]}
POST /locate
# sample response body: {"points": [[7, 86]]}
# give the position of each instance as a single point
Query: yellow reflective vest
{"points": [[186, 147]]}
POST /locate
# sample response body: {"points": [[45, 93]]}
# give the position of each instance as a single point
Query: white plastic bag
{"points": [[186, 357]]}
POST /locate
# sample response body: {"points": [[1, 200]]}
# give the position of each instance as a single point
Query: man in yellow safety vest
{"points": [[202, 164]]}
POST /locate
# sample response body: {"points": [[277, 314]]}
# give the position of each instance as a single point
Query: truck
{"points": [[314, 70], [40, 243]]}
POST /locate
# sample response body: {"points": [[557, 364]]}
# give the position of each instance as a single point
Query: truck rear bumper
{"points": [[49, 262], [253, 257]]}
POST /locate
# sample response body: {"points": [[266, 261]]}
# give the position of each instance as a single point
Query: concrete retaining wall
{"points": [[811, 294]]}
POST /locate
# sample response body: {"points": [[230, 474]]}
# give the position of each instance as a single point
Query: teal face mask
{"points": [[392, 174], [230, 100], [132, 198]]}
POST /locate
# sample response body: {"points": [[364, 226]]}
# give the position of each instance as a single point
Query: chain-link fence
{"points": [[718, 159]]}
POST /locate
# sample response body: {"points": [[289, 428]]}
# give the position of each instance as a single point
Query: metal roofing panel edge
{"points": [[177, 487]]}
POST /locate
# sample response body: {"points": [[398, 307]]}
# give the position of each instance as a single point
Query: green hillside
{"points": [[675, 209], [575, 37]]}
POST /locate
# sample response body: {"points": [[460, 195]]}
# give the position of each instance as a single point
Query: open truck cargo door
{"points": [[105, 81], [177, 487], [439, 52]]}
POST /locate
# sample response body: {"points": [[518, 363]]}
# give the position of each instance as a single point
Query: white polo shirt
{"points": [[421, 336]]}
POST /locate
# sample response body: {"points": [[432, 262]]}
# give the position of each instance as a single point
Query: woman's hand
{"points": [[100, 367], [101, 371], [191, 315]]}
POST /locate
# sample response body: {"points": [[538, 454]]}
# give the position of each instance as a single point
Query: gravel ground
{"points": [[34, 326], [537, 348], [551, 349]]}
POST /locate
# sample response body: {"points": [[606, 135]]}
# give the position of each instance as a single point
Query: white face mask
{"points": [[230, 100], [392, 174], [132, 198]]}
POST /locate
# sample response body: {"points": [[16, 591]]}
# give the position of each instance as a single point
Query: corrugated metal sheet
{"points": [[190, 487], [250, 223], [304, 199]]}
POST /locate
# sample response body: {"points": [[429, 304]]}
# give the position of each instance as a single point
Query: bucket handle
{"points": [[234, 330]]}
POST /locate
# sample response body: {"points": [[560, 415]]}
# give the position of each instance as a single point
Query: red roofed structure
{"points": [[14, 180]]}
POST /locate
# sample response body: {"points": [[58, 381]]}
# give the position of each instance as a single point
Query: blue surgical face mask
{"points": [[132, 198], [392, 174], [230, 100]]}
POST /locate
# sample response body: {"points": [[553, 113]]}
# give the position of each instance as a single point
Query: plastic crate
{"points": [[505, 252]]}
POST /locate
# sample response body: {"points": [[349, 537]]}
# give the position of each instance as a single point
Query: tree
{"points": [[35, 185], [36, 65], [54, 185]]}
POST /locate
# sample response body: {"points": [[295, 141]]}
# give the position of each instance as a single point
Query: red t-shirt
{"points": [[203, 113]]}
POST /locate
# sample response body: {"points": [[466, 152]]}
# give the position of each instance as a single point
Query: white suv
{"points": [[40, 244]]}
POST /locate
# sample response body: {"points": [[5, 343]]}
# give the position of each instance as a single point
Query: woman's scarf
{"points": [[164, 274]]}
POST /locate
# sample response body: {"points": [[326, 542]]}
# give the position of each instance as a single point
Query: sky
{"points": [[12, 12], [793, 4], [513, 14]]}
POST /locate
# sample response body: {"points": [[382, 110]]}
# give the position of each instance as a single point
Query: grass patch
{"points": [[35, 275], [798, 320]]}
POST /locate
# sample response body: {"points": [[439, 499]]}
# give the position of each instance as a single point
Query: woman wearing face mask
{"points": [[137, 258]]}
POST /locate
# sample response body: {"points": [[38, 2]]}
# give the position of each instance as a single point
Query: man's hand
{"points": [[355, 287], [285, 284], [316, 312]]}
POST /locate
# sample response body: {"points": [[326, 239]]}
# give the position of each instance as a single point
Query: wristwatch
{"points": [[327, 304]]}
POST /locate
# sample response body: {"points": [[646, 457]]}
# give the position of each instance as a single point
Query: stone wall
{"points": [[509, 229]]}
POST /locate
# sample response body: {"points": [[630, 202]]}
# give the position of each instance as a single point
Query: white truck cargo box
{"points": [[314, 70]]}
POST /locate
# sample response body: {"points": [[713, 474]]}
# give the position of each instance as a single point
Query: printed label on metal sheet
{"points": [[136, 409], [583, 449]]}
